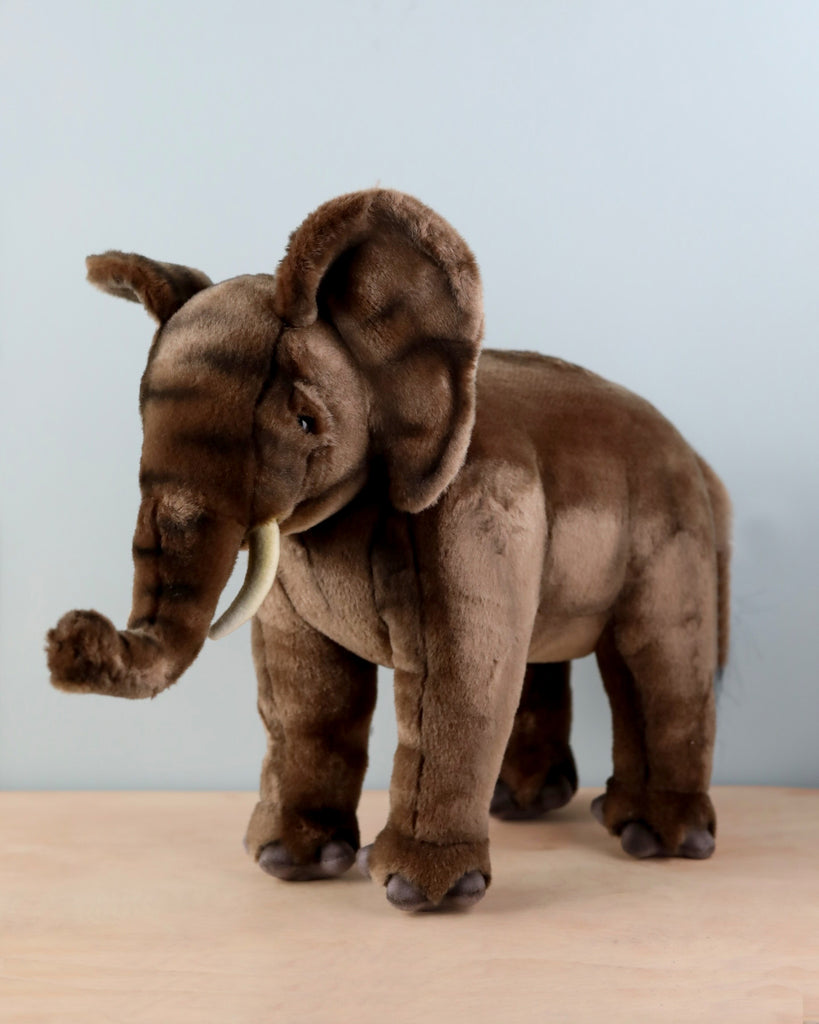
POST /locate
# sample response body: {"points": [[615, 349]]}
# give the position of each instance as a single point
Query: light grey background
{"points": [[638, 181]]}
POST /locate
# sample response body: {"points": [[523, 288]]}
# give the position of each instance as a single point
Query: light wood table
{"points": [[143, 907]]}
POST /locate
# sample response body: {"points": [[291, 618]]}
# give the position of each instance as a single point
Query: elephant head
{"points": [[268, 402]]}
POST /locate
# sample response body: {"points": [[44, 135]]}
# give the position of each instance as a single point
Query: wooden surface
{"points": [[140, 907]]}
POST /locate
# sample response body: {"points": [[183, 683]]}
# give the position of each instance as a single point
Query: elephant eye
{"points": [[307, 424]]}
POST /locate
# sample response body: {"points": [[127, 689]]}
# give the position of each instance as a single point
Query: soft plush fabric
{"points": [[472, 522]]}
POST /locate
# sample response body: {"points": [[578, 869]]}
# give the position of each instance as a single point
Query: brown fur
{"points": [[471, 524], [162, 288]]}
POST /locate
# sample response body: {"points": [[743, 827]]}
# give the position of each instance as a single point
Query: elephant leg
{"points": [[658, 660], [460, 662], [434, 849], [316, 702], [538, 773]]}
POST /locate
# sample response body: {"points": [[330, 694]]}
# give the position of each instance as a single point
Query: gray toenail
{"points": [[336, 857], [362, 860], [406, 896], [698, 844], [639, 841], [467, 891]]}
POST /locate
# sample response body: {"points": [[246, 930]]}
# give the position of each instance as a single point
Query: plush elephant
{"points": [[473, 521]]}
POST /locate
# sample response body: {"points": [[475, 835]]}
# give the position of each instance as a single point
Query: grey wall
{"points": [[638, 181]]}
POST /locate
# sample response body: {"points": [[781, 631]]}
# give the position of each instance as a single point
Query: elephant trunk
{"points": [[183, 557]]}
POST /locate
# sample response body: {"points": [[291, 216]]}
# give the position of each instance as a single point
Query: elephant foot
{"points": [[658, 823], [292, 847], [526, 802], [405, 895], [421, 875], [332, 860]]}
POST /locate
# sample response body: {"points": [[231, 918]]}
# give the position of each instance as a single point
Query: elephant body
{"points": [[538, 552], [564, 462], [472, 522]]}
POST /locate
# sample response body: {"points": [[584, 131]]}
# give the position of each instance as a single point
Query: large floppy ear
{"points": [[162, 288], [403, 290]]}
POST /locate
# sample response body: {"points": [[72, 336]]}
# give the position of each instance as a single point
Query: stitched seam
{"points": [[423, 679]]}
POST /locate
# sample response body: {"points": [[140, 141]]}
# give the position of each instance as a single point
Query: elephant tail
{"points": [[721, 511]]}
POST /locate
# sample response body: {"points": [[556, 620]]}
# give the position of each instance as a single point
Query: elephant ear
{"points": [[403, 290], [162, 288]]}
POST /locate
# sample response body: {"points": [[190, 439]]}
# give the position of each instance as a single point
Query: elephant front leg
{"points": [[316, 701], [451, 738], [460, 662]]}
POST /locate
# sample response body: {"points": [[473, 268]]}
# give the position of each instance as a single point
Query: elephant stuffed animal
{"points": [[473, 521]]}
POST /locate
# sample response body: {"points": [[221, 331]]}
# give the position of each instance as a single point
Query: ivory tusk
{"points": [[262, 561]]}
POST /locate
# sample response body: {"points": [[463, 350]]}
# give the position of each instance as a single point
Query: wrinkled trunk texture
{"points": [[183, 557], [181, 567]]}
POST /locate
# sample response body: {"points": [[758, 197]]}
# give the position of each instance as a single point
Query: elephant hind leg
{"points": [[538, 773], [658, 659]]}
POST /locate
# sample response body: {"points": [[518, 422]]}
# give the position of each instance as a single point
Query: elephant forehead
{"points": [[228, 329]]}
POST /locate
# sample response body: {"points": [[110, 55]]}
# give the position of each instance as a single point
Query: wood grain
{"points": [[143, 907]]}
